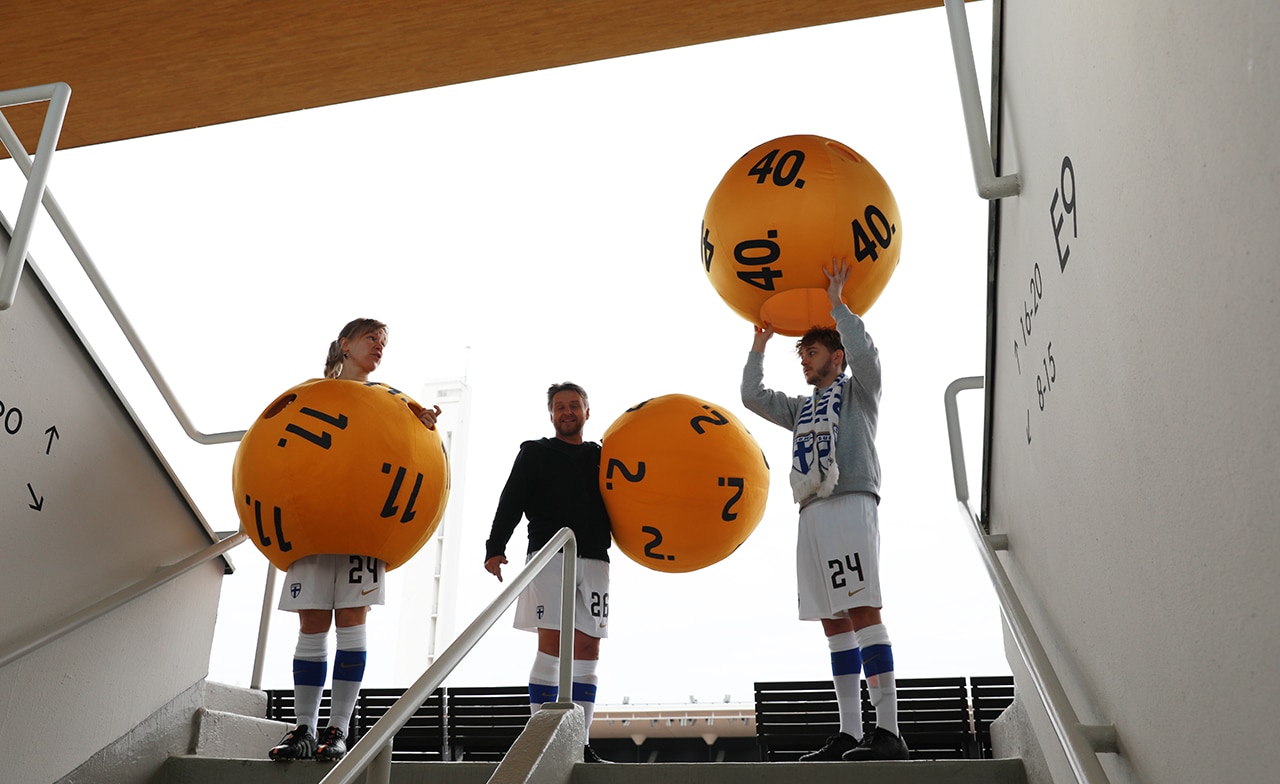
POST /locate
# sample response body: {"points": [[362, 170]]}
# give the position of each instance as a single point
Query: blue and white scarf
{"points": [[814, 471]]}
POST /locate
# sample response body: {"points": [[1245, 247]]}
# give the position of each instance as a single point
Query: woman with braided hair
{"points": [[335, 590]]}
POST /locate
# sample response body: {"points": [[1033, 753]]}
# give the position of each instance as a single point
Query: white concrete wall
{"points": [[1135, 441], [83, 514]]}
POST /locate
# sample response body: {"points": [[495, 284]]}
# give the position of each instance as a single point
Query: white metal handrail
{"points": [[373, 751], [989, 185], [1081, 742], [58, 95], [264, 627], [36, 173], [44, 636]]}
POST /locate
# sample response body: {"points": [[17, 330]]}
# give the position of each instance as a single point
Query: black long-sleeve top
{"points": [[554, 484]]}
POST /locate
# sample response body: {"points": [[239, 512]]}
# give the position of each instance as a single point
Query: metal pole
{"points": [[1081, 742], [989, 185], [57, 94], [568, 592], [958, 472], [379, 771], [264, 627]]}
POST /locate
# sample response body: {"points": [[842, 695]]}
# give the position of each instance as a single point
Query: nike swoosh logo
{"points": [[371, 590], [863, 588]]}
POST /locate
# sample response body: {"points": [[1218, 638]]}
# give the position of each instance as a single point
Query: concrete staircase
{"points": [[206, 770], [209, 770], [230, 725], [231, 744]]}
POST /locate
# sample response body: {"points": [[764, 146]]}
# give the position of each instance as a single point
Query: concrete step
{"points": [[235, 699], [204, 770], [1005, 771], [208, 770], [221, 734]]}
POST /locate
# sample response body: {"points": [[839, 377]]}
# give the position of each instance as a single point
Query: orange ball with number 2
{"points": [[684, 482]]}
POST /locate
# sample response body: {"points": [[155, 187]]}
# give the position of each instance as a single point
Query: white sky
{"points": [[544, 227]]}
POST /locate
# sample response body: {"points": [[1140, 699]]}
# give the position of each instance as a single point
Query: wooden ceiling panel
{"points": [[142, 67]]}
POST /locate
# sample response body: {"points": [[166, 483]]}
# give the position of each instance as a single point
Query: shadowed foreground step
{"points": [[205, 770], [211, 770], [1000, 771]]}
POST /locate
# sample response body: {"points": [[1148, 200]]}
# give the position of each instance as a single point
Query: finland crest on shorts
{"points": [[326, 581], [539, 605]]}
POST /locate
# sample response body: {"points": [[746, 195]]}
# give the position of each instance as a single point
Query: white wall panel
{"points": [[1136, 428], [86, 509]]}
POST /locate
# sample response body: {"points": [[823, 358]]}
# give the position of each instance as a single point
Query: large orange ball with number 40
{"points": [[335, 466], [684, 482], [781, 213]]}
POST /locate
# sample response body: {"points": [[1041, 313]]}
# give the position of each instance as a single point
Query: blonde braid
{"points": [[333, 362]]}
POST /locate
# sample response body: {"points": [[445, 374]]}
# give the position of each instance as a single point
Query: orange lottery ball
{"points": [[334, 466], [684, 483], [779, 216]]}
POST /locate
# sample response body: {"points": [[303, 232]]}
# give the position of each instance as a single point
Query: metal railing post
{"points": [[989, 185], [380, 767], [264, 627], [568, 594], [57, 94], [958, 473]]}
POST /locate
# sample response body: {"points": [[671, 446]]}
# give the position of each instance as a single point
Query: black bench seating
{"points": [[794, 717], [485, 720], [422, 738], [939, 718], [934, 716], [990, 696], [460, 723]]}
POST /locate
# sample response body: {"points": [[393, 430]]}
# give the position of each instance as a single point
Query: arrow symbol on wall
{"points": [[52, 433], [38, 503]]}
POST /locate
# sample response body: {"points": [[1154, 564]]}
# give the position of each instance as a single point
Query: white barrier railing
{"points": [[1081, 742], [373, 751], [38, 193], [58, 95], [48, 634], [989, 185]]}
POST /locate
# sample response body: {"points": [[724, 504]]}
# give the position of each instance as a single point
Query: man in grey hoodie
{"points": [[835, 478]]}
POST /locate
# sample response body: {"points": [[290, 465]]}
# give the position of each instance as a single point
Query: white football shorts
{"points": [[838, 556], [539, 605], [330, 582]]}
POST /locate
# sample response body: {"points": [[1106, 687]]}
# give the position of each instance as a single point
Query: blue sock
{"points": [[543, 680], [584, 690], [348, 674], [877, 660], [846, 674], [310, 669]]}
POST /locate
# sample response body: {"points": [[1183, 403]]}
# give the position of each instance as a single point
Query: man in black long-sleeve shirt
{"points": [[555, 483]]}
